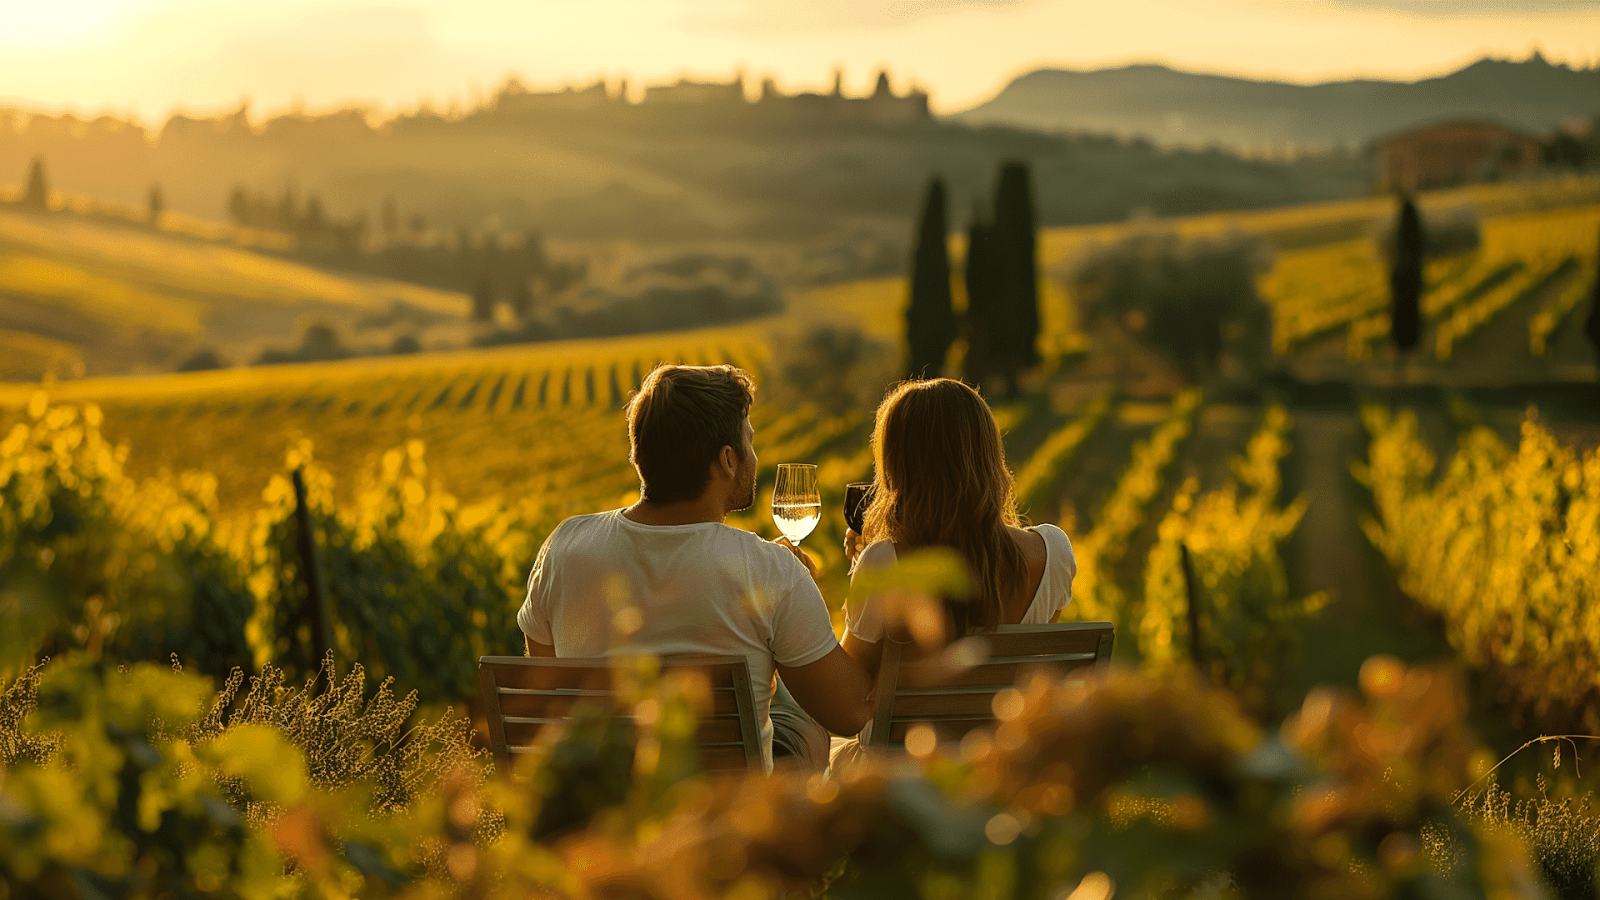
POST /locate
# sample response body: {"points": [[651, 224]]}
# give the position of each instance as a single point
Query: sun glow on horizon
{"points": [[152, 57]]}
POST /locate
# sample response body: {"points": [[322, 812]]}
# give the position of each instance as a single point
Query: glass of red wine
{"points": [[857, 497]]}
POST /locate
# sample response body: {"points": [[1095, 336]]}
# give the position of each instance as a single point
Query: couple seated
{"points": [[696, 586]]}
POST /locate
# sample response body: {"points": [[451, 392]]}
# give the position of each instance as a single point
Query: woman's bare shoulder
{"points": [[877, 555], [1030, 541]]}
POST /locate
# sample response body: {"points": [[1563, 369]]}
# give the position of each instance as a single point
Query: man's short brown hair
{"points": [[679, 419]]}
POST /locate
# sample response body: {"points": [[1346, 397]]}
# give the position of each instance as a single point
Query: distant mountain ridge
{"points": [[1189, 109]]}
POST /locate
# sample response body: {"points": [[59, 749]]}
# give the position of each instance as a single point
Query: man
{"points": [[698, 586]]}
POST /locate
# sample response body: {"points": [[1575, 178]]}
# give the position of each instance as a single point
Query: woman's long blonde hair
{"points": [[942, 481]]}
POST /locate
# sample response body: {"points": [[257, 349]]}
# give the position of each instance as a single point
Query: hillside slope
{"points": [[86, 297], [641, 172], [1190, 108]]}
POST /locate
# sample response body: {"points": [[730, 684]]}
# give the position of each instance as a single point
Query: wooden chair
{"points": [[523, 695], [956, 700]]}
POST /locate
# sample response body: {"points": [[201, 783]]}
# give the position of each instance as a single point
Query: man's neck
{"points": [[684, 512]]}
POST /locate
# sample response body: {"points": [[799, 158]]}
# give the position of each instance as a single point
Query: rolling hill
{"points": [[83, 296], [1191, 109], [664, 172]]}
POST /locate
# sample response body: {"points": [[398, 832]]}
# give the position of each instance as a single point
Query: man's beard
{"points": [[748, 498]]}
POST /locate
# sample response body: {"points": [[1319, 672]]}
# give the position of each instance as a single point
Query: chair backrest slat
{"points": [[956, 700], [1004, 671], [523, 696]]}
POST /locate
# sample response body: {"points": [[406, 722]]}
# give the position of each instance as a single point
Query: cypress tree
{"points": [[483, 301], [390, 219], [1591, 326], [1405, 279], [156, 204], [984, 311], [239, 206], [930, 318], [1016, 273], [522, 300], [37, 194]]}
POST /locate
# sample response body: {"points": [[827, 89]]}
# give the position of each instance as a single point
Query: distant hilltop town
{"points": [[882, 106], [62, 137]]}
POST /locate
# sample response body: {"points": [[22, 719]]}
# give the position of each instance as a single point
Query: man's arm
{"points": [[867, 653], [835, 690], [537, 649]]}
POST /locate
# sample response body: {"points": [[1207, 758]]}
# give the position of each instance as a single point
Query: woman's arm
{"points": [[867, 653], [864, 621]]}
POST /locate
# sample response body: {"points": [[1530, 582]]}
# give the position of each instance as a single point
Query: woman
{"points": [[942, 481]]}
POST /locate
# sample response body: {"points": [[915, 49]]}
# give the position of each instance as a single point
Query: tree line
{"points": [[36, 192], [1000, 326], [518, 273], [490, 270]]}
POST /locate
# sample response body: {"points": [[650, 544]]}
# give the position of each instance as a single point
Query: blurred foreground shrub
{"points": [[1128, 786], [1561, 836]]}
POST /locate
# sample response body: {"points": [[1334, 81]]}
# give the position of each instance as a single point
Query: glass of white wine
{"points": [[796, 504]]}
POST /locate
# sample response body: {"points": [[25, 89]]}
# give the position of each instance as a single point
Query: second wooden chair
{"points": [[953, 700]]}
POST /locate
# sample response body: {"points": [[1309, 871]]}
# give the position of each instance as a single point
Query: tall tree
{"points": [[521, 300], [1405, 278], [156, 204], [288, 210], [239, 209], [37, 194], [314, 219], [984, 311], [389, 218], [534, 261], [483, 301], [930, 318], [1016, 273], [1591, 326]]}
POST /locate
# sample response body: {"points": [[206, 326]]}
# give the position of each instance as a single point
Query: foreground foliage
{"points": [[1131, 785], [1504, 545], [90, 559]]}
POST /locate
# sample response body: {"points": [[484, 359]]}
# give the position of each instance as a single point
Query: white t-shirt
{"points": [[701, 589], [865, 619]]}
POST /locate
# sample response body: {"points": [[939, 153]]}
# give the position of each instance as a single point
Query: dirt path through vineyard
{"points": [[1367, 613]]}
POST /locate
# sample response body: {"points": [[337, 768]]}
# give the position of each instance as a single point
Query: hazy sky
{"points": [[148, 57]]}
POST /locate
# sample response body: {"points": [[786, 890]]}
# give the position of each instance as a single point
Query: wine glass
{"points": [[796, 504], [857, 497]]}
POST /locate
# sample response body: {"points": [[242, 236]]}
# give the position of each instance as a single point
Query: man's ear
{"points": [[729, 459]]}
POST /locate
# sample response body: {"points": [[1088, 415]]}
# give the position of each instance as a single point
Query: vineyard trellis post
{"points": [[310, 570], [1192, 591]]}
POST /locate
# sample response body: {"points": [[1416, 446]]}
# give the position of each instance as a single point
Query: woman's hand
{"points": [[803, 556], [852, 545]]}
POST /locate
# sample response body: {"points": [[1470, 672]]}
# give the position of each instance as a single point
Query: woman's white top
{"points": [[865, 619]]}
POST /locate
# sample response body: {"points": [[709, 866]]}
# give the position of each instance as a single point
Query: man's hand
{"points": [[803, 556]]}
